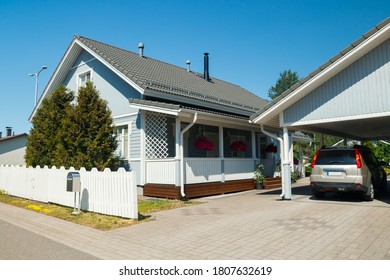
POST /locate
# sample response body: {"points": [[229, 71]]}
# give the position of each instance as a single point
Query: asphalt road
{"points": [[19, 244]]}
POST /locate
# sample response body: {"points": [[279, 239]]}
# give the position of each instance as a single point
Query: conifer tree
{"points": [[287, 78], [43, 137], [88, 135]]}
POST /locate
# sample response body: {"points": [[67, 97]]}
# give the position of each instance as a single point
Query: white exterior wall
{"points": [[360, 89]]}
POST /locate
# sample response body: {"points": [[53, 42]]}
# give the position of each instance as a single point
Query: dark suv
{"points": [[343, 169]]}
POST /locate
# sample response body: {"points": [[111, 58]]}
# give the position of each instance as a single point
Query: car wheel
{"points": [[319, 195], [369, 195]]}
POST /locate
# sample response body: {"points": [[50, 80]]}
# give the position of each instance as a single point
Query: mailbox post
{"points": [[73, 184]]}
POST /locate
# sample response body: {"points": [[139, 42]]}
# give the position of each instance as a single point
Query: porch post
{"points": [[143, 174], [221, 155], [177, 152], [291, 153], [286, 165]]}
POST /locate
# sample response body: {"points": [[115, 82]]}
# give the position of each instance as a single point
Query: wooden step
{"points": [[272, 183]]}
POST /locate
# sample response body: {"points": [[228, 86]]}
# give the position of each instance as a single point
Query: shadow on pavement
{"points": [[342, 197]]}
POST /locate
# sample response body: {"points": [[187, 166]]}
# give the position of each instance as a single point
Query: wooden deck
{"points": [[272, 183], [198, 190]]}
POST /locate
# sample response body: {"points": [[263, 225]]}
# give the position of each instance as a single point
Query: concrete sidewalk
{"points": [[249, 225]]}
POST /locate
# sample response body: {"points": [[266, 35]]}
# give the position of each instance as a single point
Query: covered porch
{"points": [[192, 153]]}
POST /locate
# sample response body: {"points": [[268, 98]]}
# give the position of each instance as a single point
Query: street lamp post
{"points": [[36, 82]]}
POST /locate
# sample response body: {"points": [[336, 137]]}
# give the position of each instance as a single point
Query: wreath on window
{"points": [[271, 148], [238, 146], [203, 143]]}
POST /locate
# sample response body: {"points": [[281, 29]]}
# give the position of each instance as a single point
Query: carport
{"points": [[348, 96]]}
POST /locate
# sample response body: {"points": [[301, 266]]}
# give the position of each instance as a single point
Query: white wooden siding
{"points": [[160, 171], [201, 170], [239, 169], [360, 89]]}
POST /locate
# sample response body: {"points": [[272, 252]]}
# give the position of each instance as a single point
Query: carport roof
{"points": [[370, 127]]}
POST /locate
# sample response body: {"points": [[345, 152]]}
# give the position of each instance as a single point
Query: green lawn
{"points": [[95, 220]]}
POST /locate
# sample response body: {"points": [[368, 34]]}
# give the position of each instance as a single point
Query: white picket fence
{"points": [[108, 192]]}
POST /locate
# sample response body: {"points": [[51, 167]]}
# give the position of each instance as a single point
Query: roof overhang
{"points": [[67, 62], [187, 113]]}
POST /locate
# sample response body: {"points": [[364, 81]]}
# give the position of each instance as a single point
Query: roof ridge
{"points": [[135, 53], [198, 74], [143, 69]]}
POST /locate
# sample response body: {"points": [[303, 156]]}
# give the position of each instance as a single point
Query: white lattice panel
{"points": [[156, 135]]}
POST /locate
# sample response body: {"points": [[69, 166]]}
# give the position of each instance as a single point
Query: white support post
{"points": [[286, 165], [177, 153], [291, 153], [221, 155], [143, 174]]}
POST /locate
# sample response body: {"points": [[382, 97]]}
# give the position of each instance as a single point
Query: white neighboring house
{"points": [[13, 149]]}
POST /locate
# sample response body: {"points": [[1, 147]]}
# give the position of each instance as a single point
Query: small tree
{"points": [[88, 136], [43, 137], [286, 80]]}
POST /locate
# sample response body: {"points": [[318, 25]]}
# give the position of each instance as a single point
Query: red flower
{"points": [[271, 148], [203, 143], [238, 145]]}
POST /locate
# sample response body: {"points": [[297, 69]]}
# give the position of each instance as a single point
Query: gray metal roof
{"points": [[322, 67], [149, 73], [177, 107]]}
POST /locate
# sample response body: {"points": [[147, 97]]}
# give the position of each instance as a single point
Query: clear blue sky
{"points": [[250, 42]]}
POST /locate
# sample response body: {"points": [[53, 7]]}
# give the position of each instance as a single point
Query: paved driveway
{"points": [[250, 225]]}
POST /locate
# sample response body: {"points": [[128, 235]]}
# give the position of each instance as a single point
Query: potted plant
{"points": [[259, 176], [294, 177]]}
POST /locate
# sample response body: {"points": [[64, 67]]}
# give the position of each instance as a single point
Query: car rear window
{"points": [[336, 157]]}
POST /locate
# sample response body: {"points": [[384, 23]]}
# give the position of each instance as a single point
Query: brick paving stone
{"points": [[248, 225]]}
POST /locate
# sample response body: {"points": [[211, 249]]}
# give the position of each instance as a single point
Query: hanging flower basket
{"points": [[203, 143], [238, 146], [271, 148]]}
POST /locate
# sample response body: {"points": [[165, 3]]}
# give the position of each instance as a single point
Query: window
{"points": [[123, 142], [201, 141], [237, 143], [84, 78], [261, 145]]}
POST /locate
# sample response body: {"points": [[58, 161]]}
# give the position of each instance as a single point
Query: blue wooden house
{"points": [[185, 134]]}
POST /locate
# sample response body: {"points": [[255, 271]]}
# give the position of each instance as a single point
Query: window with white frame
{"points": [[84, 78], [201, 141], [237, 143], [261, 144], [123, 141]]}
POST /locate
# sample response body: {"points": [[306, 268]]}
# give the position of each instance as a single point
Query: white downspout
{"points": [[182, 155], [281, 154]]}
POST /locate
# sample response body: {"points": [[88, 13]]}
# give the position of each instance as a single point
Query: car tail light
{"points": [[315, 159], [358, 159]]}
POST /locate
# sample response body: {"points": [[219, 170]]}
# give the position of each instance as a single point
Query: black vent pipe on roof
{"points": [[206, 75], [9, 131]]}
